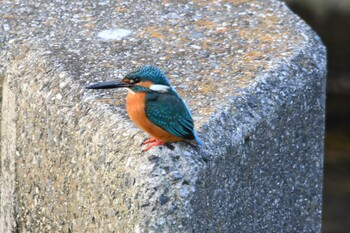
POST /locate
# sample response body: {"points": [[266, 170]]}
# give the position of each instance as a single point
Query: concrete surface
{"points": [[252, 73], [332, 25]]}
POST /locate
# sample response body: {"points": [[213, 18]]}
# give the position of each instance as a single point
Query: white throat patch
{"points": [[130, 91], [159, 88]]}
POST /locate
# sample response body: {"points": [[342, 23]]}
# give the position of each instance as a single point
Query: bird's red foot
{"points": [[155, 142], [149, 141]]}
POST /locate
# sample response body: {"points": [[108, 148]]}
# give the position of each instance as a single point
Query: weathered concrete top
{"points": [[241, 65], [210, 50]]}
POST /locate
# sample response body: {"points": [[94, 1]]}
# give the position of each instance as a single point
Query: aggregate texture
{"points": [[252, 73]]}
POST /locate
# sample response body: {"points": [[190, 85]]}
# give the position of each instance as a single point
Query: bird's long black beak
{"points": [[108, 85]]}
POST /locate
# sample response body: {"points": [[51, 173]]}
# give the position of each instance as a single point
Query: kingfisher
{"points": [[154, 106]]}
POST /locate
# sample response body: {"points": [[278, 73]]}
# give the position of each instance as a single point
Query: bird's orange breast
{"points": [[135, 105]]}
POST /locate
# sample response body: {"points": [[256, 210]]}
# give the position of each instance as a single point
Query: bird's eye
{"points": [[136, 80]]}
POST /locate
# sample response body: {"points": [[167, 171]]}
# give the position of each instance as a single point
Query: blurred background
{"points": [[331, 20]]}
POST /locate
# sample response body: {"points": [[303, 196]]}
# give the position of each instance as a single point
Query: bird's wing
{"points": [[170, 113]]}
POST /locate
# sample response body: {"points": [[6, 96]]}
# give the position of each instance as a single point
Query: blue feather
{"points": [[170, 113], [199, 142]]}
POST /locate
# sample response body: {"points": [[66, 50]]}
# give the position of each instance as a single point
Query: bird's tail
{"points": [[199, 142]]}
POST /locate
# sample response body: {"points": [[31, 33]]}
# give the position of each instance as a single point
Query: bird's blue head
{"points": [[147, 73], [142, 79]]}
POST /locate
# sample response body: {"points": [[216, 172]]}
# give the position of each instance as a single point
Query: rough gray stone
{"points": [[252, 73]]}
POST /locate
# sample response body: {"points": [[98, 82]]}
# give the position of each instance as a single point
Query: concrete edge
{"points": [[8, 159]]}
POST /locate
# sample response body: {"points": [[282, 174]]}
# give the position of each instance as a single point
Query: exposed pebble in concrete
{"points": [[113, 34]]}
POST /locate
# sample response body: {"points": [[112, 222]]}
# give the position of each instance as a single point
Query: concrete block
{"points": [[252, 73]]}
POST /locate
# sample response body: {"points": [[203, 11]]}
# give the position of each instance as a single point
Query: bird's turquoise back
{"points": [[169, 112]]}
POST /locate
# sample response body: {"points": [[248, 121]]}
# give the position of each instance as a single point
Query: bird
{"points": [[155, 106]]}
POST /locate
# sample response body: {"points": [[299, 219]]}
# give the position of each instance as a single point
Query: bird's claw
{"points": [[155, 142], [148, 141]]}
